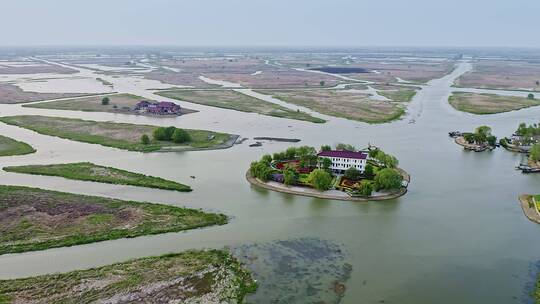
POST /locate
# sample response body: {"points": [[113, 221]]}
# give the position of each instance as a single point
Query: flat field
{"points": [[229, 99], [489, 103]]}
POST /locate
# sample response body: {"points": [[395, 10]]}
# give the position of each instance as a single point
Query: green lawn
{"points": [[92, 172], [36, 219], [186, 277], [229, 99], [9, 147], [118, 135]]}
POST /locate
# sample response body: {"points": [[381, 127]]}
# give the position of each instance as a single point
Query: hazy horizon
{"points": [[278, 23]]}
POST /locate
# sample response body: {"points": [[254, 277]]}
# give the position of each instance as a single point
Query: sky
{"points": [[261, 23]]}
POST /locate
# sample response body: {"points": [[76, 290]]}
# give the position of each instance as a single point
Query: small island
{"points": [[132, 137], [523, 138], [479, 140], [37, 219], [91, 172], [483, 103], [10, 147], [116, 103], [343, 173]]}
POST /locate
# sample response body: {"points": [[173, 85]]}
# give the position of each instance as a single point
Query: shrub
{"points": [[352, 174], [105, 101], [160, 134], [530, 96], [180, 136], [388, 178], [320, 179], [169, 131], [290, 176], [145, 139], [366, 188], [368, 171]]}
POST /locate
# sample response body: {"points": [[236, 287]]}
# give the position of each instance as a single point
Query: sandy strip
{"points": [[531, 213]]}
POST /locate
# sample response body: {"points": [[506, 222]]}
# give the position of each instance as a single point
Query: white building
{"points": [[343, 160]]}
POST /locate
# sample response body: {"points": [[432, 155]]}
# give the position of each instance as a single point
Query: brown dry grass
{"points": [[498, 74], [489, 103], [11, 94]]}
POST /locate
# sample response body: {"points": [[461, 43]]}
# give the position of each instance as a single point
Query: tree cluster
{"points": [[482, 135], [172, 134]]}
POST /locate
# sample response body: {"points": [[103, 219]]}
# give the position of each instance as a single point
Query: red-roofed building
{"points": [[343, 160], [160, 108]]}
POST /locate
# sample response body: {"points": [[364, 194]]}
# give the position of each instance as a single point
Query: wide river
{"points": [[458, 235]]}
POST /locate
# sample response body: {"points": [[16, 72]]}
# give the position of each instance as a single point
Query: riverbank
{"points": [[212, 276], [331, 195], [528, 205]]}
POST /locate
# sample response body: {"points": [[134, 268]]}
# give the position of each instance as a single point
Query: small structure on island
{"points": [[343, 160], [158, 108]]}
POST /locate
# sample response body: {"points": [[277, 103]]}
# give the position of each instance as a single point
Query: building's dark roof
{"points": [[344, 154]]}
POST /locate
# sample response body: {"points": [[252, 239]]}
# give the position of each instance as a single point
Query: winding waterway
{"points": [[458, 236]]}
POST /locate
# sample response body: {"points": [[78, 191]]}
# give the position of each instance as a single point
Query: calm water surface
{"points": [[458, 236]]}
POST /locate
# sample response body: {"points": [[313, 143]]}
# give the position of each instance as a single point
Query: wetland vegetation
{"points": [[489, 103], [117, 135], [211, 276], [10, 147], [36, 219]]}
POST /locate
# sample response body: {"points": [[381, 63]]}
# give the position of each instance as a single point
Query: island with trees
{"points": [[479, 140], [342, 173], [523, 138]]}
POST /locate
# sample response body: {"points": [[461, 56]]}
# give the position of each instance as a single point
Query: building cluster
{"points": [[158, 108]]}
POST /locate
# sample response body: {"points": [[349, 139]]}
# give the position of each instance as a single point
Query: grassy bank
{"points": [[401, 95], [9, 147], [118, 135], [212, 276], [36, 219], [92, 172], [232, 100], [489, 103], [118, 103]]}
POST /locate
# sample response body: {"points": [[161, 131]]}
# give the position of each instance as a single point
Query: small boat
{"points": [[257, 144]]}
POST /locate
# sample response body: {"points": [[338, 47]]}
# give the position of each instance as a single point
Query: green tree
{"points": [[325, 163], [278, 156], [290, 176], [145, 140], [105, 101], [180, 136], [530, 96], [326, 148], [534, 153], [160, 134], [469, 137], [322, 83], [267, 159], [491, 140], [368, 171], [320, 179], [261, 170], [388, 178], [352, 174], [290, 153], [169, 131], [366, 188], [345, 147]]}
